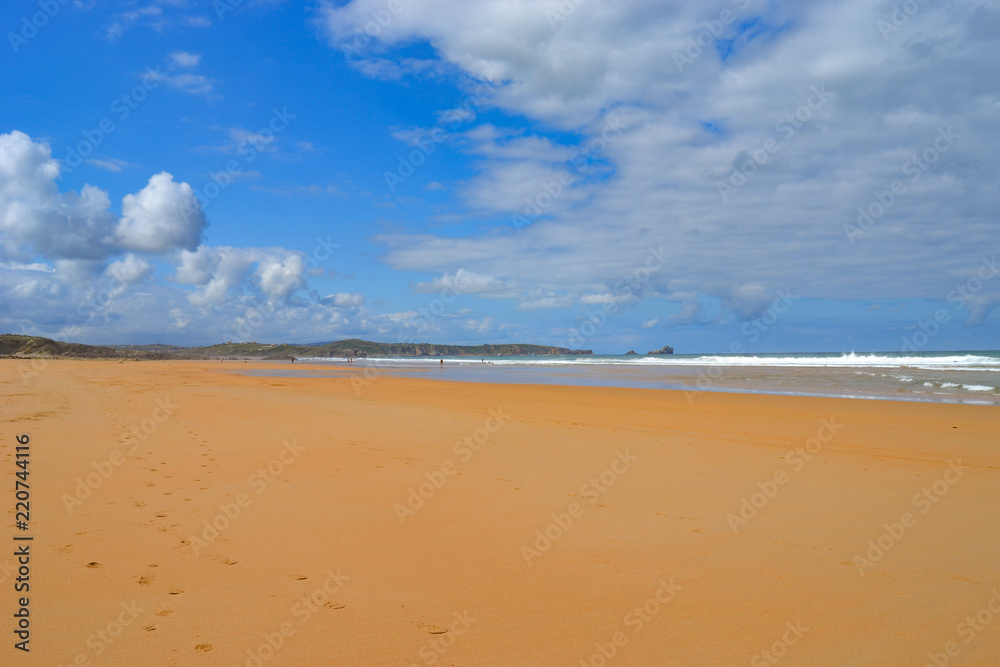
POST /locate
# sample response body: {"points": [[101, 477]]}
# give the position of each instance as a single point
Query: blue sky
{"points": [[607, 176]]}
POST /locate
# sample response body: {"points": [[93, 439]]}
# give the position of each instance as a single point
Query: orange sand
{"points": [[645, 556]]}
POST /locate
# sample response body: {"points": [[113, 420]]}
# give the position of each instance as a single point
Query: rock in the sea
{"points": [[666, 349], [631, 352]]}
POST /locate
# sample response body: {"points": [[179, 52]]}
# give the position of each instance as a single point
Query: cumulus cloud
{"points": [[216, 271], [280, 275], [128, 270], [34, 213], [36, 217], [163, 216]]}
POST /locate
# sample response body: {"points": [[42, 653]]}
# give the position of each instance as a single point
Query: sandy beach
{"points": [[183, 513]]}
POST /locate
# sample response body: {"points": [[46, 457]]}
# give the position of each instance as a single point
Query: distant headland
{"points": [[16, 345]]}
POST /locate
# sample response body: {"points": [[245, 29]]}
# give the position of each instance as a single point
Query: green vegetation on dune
{"points": [[15, 345]]}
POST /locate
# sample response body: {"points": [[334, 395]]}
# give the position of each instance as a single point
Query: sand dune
{"points": [[185, 514]]}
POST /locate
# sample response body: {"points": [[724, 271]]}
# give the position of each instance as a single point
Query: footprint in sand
{"points": [[165, 612], [66, 549], [175, 591], [145, 581], [138, 503], [436, 629], [93, 564], [229, 562], [335, 605], [300, 577], [149, 628], [203, 648]]}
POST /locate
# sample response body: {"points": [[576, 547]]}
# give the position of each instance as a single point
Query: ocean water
{"points": [[955, 377]]}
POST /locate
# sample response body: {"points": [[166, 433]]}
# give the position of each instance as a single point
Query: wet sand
{"points": [[403, 521]]}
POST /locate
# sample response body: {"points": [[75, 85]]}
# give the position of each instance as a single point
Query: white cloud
{"points": [[109, 164], [470, 282], [280, 275], [158, 15], [33, 213], [163, 216], [591, 299], [347, 299], [649, 324], [656, 141], [185, 59], [217, 271], [195, 84], [129, 270], [546, 302], [480, 326], [35, 266]]}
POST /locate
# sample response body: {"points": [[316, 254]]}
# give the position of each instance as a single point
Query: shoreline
{"points": [[943, 386]]}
